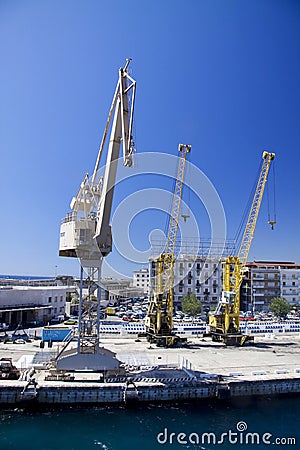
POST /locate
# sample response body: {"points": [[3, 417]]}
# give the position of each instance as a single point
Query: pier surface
{"points": [[202, 370]]}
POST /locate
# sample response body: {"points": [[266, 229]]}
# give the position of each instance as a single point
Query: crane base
{"points": [[236, 339], [171, 340]]}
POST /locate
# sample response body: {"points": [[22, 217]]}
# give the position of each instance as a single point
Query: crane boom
{"points": [[159, 319], [176, 201], [86, 233], [122, 126], [225, 321], [255, 207]]}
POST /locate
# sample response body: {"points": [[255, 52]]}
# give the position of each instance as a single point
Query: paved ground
{"points": [[266, 355], [269, 355]]}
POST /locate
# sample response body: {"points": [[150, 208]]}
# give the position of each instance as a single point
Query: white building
{"points": [[24, 305], [199, 275], [290, 284], [141, 280], [114, 289], [268, 279]]}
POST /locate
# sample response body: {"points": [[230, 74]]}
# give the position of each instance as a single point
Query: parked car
{"points": [[15, 338], [70, 322], [3, 326]]}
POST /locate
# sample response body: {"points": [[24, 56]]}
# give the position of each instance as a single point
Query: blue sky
{"points": [[223, 76]]}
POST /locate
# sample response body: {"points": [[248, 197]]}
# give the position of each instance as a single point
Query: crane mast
{"points": [[159, 319], [225, 321]]}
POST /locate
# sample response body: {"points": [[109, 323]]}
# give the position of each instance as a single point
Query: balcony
{"points": [[258, 285]]}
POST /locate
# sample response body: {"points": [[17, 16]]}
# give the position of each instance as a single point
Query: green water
{"points": [[119, 428]]}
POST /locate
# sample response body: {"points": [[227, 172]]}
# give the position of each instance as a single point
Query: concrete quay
{"points": [[204, 370]]}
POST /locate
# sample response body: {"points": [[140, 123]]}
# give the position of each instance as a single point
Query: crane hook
{"points": [[272, 223]]}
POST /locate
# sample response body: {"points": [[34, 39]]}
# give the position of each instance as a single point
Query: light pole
{"points": [[246, 295], [253, 305]]}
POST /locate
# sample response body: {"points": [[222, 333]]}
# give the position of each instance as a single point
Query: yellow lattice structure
{"points": [[159, 319], [225, 322]]}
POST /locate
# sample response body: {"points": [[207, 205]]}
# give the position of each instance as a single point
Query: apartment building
{"points": [[200, 275], [141, 280], [267, 279], [263, 281]]}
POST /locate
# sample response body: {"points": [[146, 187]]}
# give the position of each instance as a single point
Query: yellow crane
{"points": [[225, 321], [159, 318]]}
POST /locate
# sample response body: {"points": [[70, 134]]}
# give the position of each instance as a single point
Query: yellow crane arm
{"points": [[225, 321], [255, 207], [159, 319]]}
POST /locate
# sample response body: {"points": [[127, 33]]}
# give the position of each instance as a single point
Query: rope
{"points": [[274, 191]]}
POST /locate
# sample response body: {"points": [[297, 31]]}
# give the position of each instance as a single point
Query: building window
{"points": [[214, 290], [49, 299], [55, 299], [206, 265]]}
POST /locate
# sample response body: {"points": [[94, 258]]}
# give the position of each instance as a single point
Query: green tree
{"points": [[191, 305], [280, 306], [74, 299]]}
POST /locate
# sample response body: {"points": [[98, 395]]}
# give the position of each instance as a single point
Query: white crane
{"points": [[86, 232]]}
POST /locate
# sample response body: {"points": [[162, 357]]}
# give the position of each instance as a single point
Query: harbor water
{"points": [[248, 423]]}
